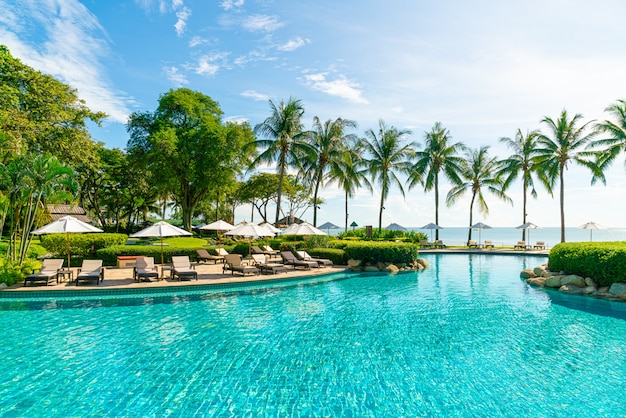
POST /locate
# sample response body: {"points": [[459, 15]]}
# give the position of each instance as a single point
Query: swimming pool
{"points": [[464, 338]]}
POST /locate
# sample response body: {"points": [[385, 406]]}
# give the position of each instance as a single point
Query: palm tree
{"points": [[286, 141], [329, 141], [387, 155], [566, 144], [478, 173], [523, 162], [438, 155], [349, 171], [615, 131]]}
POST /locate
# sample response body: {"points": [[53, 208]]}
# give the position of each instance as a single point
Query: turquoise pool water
{"points": [[464, 338]]}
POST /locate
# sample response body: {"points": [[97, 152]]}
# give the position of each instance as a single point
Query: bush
{"points": [[109, 255], [11, 273], [81, 245], [392, 252], [336, 255], [604, 262]]}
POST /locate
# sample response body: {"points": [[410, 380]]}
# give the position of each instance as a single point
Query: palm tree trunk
{"points": [[380, 213], [281, 177], [562, 198], [469, 234], [317, 187], [436, 205], [525, 188], [346, 229]]}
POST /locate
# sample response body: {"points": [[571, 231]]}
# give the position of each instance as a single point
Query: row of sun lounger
{"points": [[52, 268]]}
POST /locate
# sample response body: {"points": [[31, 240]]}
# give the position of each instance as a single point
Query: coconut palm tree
{"points": [[566, 143], [387, 155], [350, 173], [479, 173], [438, 155], [523, 162], [613, 132], [328, 139], [285, 141]]}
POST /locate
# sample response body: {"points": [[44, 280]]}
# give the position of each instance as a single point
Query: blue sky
{"points": [[482, 68]]}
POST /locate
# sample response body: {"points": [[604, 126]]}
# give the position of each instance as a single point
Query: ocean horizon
{"points": [[502, 236]]}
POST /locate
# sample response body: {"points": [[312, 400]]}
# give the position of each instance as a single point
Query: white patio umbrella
{"points": [[159, 230], [68, 225], [432, 227], [219, 226], [528, 226], [270, 227], [304, 229], [480, 226], [251, 231], [591, 225]]}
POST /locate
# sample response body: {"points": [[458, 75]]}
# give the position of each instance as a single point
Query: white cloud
{"points": [[209, 65], [255, 95], [293, 44], [261, 23], [252, 56], [197, 41], [340, 87], [182, 15], [75, 46], [174, 75], [231, 4]]}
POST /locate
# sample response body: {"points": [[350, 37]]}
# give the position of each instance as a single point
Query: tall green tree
{"points": [[479, 174], [329, 141], [566, 142], [613, 133], [260, 190], [349, 171], [39, 114], [387, 155], [438, 155], [523, 162], [188, 148], [284, 142]]}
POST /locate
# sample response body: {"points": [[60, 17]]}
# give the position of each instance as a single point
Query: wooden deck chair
{"points": [[90, 270], [145, 269], [182, 268], [49, 271]]}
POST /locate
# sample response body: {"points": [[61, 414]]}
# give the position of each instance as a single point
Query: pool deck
{"points": [[208, 273]]}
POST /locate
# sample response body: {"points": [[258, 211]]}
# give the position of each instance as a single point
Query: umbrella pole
{"points": [[67, 234], [162, 260]]}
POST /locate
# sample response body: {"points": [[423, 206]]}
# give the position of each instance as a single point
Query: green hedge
{"points": [[109, 255], [397, 253], [604, 262], [337, 255], [81, 245]]}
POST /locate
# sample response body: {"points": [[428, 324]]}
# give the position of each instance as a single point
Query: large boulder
{"points": [[589, 290], [370, 269], [423, 262], [391, 268], [618, 289], [354, 263], [573, 280], [539, 270], [571, 289], [528, 274], [589, 282], [554, 281], [537, 281]]}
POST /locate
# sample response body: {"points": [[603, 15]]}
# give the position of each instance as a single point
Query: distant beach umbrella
{"points": [[432, 227], [395, 227], [66, 225], [480, 226], [328, 226], [270, 227], [591, 225], [528, 226]]}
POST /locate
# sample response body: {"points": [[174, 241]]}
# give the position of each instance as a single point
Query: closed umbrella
{"points": [[68, 225], [480, 226], [159, 230], [432, 228], [591, 225]]}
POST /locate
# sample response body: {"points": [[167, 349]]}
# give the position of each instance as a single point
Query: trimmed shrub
{"points": [[11, 273], [372, 252], [338, 256], [605, 262], [81, 245]]}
